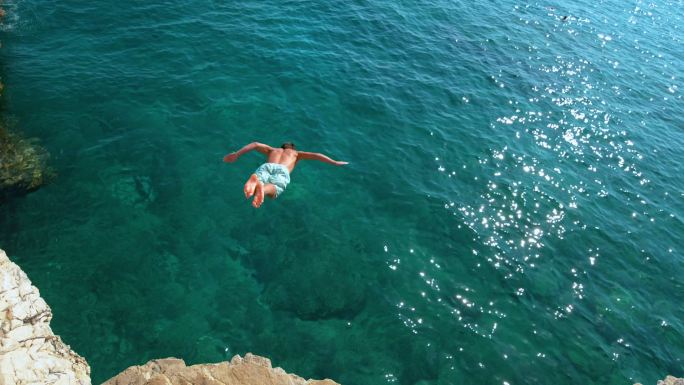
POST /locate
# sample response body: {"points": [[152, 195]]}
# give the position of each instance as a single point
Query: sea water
{"points": [[511, 214]]}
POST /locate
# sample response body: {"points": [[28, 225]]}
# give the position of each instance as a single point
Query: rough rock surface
{"points": [[23, 165], [250, 370], [29, 352], [669, 380]]}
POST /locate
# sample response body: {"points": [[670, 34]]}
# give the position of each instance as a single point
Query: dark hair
{"points": [[287, 145]]}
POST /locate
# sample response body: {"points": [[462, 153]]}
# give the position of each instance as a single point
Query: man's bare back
{"points": [[286, 157], [271, 178]]}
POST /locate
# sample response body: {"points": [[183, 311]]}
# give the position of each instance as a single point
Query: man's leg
{"points": [[250, 186], [261, 191]]}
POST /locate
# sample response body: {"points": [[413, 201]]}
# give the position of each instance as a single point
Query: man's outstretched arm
{"points": [[317, 156], [262, 148]]}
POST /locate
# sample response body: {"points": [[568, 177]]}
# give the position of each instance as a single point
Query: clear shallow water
{"points": [[512, 212]]}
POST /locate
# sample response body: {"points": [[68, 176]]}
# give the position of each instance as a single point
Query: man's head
{"points": [[288, 145]]}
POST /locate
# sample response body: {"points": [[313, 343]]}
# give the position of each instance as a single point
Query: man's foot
{"points": [[251, 185], [258, 195]]}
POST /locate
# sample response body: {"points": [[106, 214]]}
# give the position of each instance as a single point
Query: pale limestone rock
{"points": [[21, 333], [669, 380], [250, 370], [30, 353]]}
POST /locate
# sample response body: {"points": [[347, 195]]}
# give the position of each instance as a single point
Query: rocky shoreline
{"points": [[250, 370], [23, 163], [30, 353]]}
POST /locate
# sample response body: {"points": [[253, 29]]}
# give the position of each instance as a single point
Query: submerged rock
{"points": [[312, 289], [23, 166], [29, 352], [22, 162], [133, 191], [250, 370]]}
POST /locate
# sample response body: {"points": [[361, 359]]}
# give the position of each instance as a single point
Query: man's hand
{"points": [[233, 156], [230, 158], [338, 163]]}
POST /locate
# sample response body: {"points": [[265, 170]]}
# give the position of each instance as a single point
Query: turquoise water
{"points": [[512, 213]]}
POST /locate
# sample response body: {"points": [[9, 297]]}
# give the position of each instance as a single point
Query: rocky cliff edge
{"points": [[30, 354], [250, 370]]}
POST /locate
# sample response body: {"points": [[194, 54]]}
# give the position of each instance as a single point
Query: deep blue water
{"points": [[512, 212]]}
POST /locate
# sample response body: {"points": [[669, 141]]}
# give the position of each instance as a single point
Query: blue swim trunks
{"points": [[275, 174]]}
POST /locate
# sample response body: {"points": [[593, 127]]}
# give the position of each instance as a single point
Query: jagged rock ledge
{"points": [[31, 354], [251, 370], [669, 380]]}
